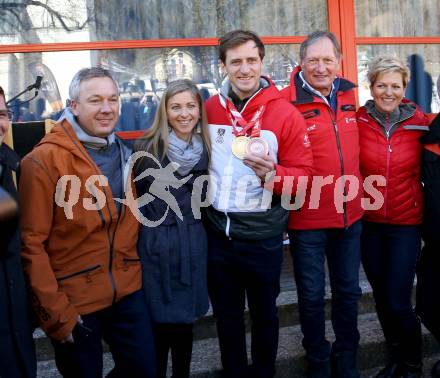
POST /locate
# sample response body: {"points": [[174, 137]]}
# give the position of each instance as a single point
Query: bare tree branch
{"points": [[15, 8], [15, 14], [57, 15]]}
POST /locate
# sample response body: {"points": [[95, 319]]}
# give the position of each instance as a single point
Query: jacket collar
{"points": [[226, 87], [299, 94], [84, 138], [404, 111], [264, 95]]}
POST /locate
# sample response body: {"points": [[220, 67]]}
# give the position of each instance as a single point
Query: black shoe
{"points": [[435, 372], [412, 371], [394, 370], [318, 368], [344, 365], [388, 371], [410, 374]]}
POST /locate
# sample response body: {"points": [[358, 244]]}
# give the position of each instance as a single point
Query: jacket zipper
{"points": [[228, 220], [388, 128], [112, 240], [87, 270], [131, 260], [250, 99], [93, 164], [228, 225], [389, 150], [101, 216], [341, 161]]}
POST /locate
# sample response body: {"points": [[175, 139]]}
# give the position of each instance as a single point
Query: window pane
{"points": [[102, 20], [52, 21], [142, 75], [396, 18], [424, 67]]}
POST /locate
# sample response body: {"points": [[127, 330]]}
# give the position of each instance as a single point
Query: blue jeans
{"points": [[341, 247], [236, 269], [389, 257], [125, 327]]}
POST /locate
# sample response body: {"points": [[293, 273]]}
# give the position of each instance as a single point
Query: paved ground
{"points": [[427, 365]]}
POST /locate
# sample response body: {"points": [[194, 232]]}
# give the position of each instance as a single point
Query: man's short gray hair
{"points": [[316, 36], [87, 74]]}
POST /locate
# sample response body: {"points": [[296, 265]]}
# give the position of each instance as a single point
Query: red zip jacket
{"points": [[397, 158], [335, 145]]}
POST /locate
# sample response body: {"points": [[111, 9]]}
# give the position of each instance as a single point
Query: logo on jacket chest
{"points": [[220, 135], [350, 119], [306, 141]]}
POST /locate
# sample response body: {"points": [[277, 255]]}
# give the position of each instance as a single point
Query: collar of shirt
{"points": [[330, 100], [237, 101]]}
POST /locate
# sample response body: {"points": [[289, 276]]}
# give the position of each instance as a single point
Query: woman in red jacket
{"points": [[389, 131]]}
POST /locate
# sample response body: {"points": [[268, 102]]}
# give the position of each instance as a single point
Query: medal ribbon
{"points": [[236, 118]]}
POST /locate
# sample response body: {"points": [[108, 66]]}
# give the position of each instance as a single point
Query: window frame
{"points": [[341, 21]]}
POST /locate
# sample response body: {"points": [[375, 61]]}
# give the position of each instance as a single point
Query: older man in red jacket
{"points": [[328, 225]]}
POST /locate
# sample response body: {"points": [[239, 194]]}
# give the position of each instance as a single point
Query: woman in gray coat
{"points": [[172, 242]]}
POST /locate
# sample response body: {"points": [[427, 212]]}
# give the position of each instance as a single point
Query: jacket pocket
{"points": [[126, 263], [87, 272], [86, 287]]}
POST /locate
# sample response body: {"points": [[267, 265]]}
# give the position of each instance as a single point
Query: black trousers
{"points": [[177, 337], [389, 256], [126, 328], [239, 269]]}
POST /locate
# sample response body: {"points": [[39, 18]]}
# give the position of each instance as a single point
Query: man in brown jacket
{"points": [[79, 239]]}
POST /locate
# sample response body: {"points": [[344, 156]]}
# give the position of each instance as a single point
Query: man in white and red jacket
{"points": [[328, 225], [247, 218]]}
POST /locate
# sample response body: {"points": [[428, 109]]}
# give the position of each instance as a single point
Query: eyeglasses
{"points": [[314, 62], [6, 114]]}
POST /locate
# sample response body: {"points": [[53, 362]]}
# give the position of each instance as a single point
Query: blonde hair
{"points": [[387, 64], [155, 139]]}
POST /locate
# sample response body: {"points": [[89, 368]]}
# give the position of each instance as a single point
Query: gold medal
{"points": [[257, 146], [239, 146]]}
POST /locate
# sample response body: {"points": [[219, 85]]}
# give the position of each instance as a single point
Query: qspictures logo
{"points": [[207, 190]]}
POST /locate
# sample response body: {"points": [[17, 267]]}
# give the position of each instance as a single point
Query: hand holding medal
{"points": [[253, 149], [260, 164]]}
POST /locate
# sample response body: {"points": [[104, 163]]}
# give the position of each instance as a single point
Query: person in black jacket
{"points": [[428, 279], [17, 351]]}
